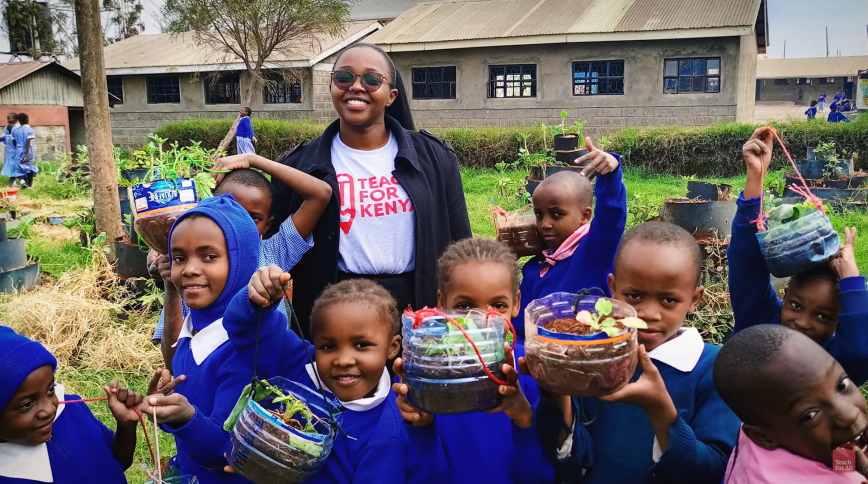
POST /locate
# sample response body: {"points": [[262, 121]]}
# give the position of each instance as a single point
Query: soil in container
{"points": [[158, 205], [517, 229], [154, 228]]}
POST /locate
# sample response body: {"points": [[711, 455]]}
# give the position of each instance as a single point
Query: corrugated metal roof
{"points": [[177, 52], [381, 9], [500, 19], [14, 71], [810, 67]]}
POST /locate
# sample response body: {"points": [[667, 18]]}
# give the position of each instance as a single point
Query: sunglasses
{"points": [[344, 80]]}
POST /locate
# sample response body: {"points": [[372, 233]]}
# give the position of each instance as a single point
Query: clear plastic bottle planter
{"points": [[797, 246], [157, 205], [579, 366], [267, 450], [517, 229], [444, 373]]}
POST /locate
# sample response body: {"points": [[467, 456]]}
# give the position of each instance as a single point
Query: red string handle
{"points": [[424, 313], [141, 420]]}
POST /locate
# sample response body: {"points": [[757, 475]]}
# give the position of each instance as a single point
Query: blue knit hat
{"points": [[19, 357], [242, 242]]}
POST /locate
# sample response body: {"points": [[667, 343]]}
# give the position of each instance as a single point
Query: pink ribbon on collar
{"points": [[565, 250]]}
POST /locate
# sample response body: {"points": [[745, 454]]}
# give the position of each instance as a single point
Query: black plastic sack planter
{"points": [[811, 168], [3, 232], [13, 255], [830, 193], [551, 170], [21, 279], [709, 191], [131, 261], [566, 142], [700, 218], [530, 185], [137, 176]]}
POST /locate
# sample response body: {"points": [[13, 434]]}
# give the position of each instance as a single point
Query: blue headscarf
{"points": [[19, 357], [242, 243]]}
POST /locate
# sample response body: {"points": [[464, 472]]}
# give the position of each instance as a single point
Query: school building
{"points": [[803, 80], [613, 63], [164, 78]]}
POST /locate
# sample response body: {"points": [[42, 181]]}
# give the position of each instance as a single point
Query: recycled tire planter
{"points": [[709, 191], [700, 218]]}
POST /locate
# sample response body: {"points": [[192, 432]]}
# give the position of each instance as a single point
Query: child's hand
{"points": [[123, 403], [266, 285], [757, 152], [229, 163], [601, 163], [254, 140], [408, 412], [648, 392], [844, 262], [162, 382], [514, 404], [171, 409], [164, 267]]}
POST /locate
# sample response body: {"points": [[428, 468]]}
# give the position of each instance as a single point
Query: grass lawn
{"points": [[59, 251]]}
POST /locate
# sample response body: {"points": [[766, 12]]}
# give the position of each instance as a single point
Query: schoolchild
{"points": [[829, 304], [836, 116], [24, 137], [10, 157], [42, 440], [245, 138], [812, 111]]}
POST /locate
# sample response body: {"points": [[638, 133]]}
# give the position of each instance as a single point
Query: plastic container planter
{"points": [[579, 366], [796, 246], [700, 218], [157, 205], [444, 373], [267, 450], [517, 229]]}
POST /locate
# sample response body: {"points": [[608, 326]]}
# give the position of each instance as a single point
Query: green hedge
{"points": [[700, 151]]}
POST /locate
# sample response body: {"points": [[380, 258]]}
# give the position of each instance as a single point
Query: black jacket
{"points": [[426, 167]]}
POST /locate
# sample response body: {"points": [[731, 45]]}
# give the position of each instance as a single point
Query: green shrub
{"points": [[692, 151]]}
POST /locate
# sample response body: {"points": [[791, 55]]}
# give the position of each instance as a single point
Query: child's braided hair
{"points": [[359, 292], [477, 250]]}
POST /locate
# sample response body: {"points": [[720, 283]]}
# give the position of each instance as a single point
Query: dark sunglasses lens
{"points": [[371, 82], [344, 79]]}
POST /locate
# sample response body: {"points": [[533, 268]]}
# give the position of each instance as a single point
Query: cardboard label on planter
{"points": [[163, 195]]}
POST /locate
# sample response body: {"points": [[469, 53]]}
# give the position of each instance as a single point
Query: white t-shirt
{"points": [[377, 216]]}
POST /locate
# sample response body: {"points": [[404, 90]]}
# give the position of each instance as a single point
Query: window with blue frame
{"points": [[598, 78], [694, 75]]}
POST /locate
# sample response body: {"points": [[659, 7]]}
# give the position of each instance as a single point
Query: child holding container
{"points": [[828, 303]]}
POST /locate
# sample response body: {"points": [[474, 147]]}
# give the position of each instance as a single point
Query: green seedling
{"points": [[601, 319]]}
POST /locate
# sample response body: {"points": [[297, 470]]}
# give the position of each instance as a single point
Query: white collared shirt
{"points": [[362, 404], [204, 342], [682, 353], [29, 462]]}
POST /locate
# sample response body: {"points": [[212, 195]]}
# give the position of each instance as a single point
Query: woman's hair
{"points": [[475, 250], [363, 293], [400, 108], [23, 118]]}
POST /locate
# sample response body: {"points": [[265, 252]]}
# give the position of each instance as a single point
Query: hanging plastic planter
{"points": [[157, 205], [283, 434], [581, 345], [797, 237], [453, 360], [517, 229]]}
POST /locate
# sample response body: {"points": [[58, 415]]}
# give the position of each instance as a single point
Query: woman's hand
{"points": [[229, 163], [266, 285], [844, 262], [408, 412], [162, 382], [122, 404], [514, 404], [172, 409], [600, 162]]}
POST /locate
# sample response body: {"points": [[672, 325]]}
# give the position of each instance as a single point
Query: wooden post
{"points": [[106, 203]]}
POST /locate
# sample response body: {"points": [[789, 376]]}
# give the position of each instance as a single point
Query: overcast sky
{"points": [[802, 24]]}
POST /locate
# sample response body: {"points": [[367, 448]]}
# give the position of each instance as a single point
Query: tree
{"points": [[30, 28], [104, 178], [254, 31]]}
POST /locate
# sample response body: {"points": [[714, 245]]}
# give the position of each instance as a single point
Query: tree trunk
{"points": [[250, 83], [106, 203]]}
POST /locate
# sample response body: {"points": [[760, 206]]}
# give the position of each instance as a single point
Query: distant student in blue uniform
{"points": [[581, 249], [836, 116], [214, 249], [822, 103], [355, 329], [829, 304], [812, 111], [244, 135], [44, 441], [480, 274], [11, 161], [670, 417], [24, 137], [834, 105]]}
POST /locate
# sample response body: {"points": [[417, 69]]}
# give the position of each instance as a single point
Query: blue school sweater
{"points": [[383, 449], [618, 446], [837, 117], [79, 450], [244, 128], [594, 258], [754, 300], [812, 112]]}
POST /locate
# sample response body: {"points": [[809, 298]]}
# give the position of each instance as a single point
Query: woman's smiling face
{"points": [[356, 106]]}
